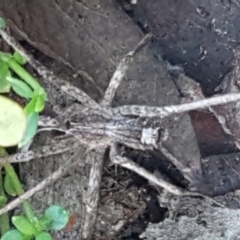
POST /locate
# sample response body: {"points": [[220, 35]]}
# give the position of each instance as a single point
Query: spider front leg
{"points": [[48, 75], [120, 72]]}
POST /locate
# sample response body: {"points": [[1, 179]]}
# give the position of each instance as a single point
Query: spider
{"points": [[97, 126]]}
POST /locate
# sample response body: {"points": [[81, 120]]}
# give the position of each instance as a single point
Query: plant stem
{"points": [[19, 190], [21, 72], [17, 186], [4, 218]]}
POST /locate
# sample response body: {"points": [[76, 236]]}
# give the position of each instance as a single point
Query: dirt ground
{"points": [[92, 36]]}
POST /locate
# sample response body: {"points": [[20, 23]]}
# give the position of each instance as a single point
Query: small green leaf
{"points": [[5, 56], [2, 23], [20, 87], [31, 129], [40, 104], [45, 223], [30, 108], [43, 236], [5, 86], [4, 72], [59, 216], [3, 200], [19, 58], [13, 235], [8, 186], [4, 69], [24, 225], [13, 122]]}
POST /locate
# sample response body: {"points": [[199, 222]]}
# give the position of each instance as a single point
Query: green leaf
{"points": [[43, 236], [19, 58], [37, 103], [4, 72], [30, 108], [3, 200], [59, 216], [4, 86], [24, 225], [31, 129], [45, 223], [20, 87], [13, 235], [23, 74], [2, 23], [8, 186], [5, 56], [40, 103], [13, 122]]}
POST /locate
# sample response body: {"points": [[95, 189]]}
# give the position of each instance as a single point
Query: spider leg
{"points": [[97, 165], [116, 158], [163, 112], [52, 149], [72, 161], [187, 172], [48, 75], [120, 72], [45, 121]]}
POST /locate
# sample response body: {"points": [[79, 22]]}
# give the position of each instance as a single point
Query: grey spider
{"points": [[97, 126]]}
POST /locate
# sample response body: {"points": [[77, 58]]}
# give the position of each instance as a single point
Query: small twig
{"points": [[121, 71], [47, 181], [162, 112], [48, 75]]}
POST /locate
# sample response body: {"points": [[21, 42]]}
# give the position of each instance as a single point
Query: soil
{"points": [[93, 36]]}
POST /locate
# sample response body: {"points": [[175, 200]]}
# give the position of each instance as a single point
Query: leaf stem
{"points": [[18, 187], [4, 218], [19, 190]]}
